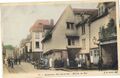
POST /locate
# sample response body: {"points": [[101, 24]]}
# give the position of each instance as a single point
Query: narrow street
{"points": [[27, 70], [23, 68]]}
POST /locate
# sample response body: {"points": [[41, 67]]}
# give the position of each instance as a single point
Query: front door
{"points": [[72, 56]]}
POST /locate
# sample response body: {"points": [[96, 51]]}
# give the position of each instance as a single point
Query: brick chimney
{"points": [[52, 22]]}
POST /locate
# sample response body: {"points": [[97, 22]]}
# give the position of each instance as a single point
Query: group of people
{"points": [[83, 63], [11, 61]]}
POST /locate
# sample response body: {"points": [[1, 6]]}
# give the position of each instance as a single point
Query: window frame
{"points": [[37, 44], [70, 25], [83, 43], [83, 29], [71, 41]]}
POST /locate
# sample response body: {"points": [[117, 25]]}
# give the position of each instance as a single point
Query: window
{"points": [[83, 44], [99, 12], [96, 52], [37, 44], [102, 10], [83, 29], [70, 25], [71, 41], [37, 36], [91, 53]]}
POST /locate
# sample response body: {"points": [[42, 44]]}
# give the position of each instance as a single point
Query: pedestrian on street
{"points": [[19, 60], [16, 60], [12, 62], [5, 61], [8, 61], [77, 61], [100, 63], [50, 62]]}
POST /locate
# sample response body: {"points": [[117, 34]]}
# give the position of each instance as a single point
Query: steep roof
{"points": [[75, 11], [37, 26], [49, 35]]}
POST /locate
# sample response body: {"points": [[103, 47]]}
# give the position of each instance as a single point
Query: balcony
{"points": [[109, 33], [69, 20], [70, 32], [73, 47]]}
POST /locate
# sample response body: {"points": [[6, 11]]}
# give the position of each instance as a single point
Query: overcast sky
{"points": [[16, 20]]}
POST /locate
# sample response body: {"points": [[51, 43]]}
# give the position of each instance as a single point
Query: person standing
{"points": [[12, 62], [50, 63], [77, 61], [15, 60], [100, 63], [5, 61], [8, 61], [19, 60], [68, 62]]}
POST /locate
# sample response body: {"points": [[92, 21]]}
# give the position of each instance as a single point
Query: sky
{"points": [[17, 19]]}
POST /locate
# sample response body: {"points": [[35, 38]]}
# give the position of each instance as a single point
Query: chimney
{"points": [[52, 22]]}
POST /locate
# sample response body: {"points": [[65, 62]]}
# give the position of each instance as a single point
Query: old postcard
{"points": [[65, 38]]}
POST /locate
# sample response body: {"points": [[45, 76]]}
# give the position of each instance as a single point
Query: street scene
{"points": [[62, 37]]}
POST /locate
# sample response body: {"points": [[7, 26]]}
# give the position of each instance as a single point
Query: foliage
{"points": [[9, 47], [109, 32]]}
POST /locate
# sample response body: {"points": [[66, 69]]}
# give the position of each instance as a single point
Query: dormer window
{"points": [[101, 10]]}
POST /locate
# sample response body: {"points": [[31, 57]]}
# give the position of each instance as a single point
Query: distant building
{"points": [[22, 48], [37, 32]]}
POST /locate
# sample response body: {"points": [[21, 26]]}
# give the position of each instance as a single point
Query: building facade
{"points": [[37, 32], [83, 36]]}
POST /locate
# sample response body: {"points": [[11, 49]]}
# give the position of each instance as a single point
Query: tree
{"points": [[9, 47]]}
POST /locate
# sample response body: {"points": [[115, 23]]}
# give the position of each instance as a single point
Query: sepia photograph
{"points": [[59, 38]]}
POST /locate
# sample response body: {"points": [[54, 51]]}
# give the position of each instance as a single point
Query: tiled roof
{"points": [[38, 25]]}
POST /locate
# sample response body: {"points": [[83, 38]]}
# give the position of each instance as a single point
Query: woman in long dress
{"points": [[5, 60], [50, 62]]}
